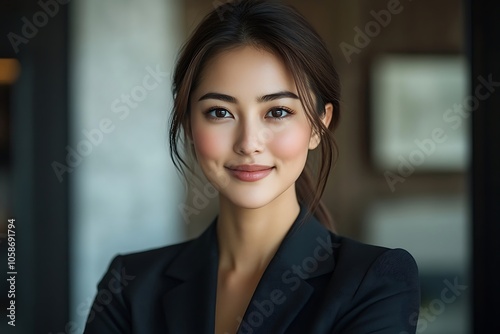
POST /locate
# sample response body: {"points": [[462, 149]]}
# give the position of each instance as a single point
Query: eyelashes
{"points": [[280, 113], [218, 113]]}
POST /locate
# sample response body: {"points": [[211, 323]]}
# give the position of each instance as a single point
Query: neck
{"points": [[249, 238]]}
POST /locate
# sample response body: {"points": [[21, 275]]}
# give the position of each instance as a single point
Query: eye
{"points": [[217, 113], [279, 113]]}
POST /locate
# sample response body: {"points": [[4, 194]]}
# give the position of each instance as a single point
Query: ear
{"points": [[326, 119]]}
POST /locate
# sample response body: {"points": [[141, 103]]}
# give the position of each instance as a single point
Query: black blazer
{"points": [[317, 282]]}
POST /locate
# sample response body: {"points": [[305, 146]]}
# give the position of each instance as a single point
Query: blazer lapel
{"points": [[190, 305], [306, 252]]}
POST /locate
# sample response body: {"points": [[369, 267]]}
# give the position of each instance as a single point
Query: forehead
{"points": [[245, 70]]}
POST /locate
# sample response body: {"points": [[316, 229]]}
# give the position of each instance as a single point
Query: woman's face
{"points": [[249, 130]]}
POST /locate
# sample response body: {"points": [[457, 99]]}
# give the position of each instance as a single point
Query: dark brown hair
{"points": [[279, 29]]}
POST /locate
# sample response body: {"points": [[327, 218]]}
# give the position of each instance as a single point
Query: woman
{"points": [[255, 92]]}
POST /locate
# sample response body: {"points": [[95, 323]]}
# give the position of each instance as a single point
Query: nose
{"points": [[251, 138]]}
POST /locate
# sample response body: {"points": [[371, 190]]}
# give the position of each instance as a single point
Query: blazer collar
{"points": [[306, 252]]}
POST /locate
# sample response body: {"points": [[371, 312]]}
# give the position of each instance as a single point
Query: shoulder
{"points": [[127, 283], [148, 262], [149, 267], [357, 262], [373, 282], [381, 260], [146, 257]]}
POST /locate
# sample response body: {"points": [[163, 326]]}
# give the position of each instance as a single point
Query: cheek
{"points": [[209, 144], [291, 143]]}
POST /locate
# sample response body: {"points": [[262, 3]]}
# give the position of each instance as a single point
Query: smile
{"points": [[250, 173]]}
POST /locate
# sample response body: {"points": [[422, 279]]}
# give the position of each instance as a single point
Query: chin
{"points": [[248, 200]]}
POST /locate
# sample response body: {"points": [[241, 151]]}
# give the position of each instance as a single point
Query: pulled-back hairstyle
{"points": [[281, 30]]}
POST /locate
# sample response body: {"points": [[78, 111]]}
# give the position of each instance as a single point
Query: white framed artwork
{"points": [[420, 112]]}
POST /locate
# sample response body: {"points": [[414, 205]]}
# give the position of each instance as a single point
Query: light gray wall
{"points": [[125, 190]]}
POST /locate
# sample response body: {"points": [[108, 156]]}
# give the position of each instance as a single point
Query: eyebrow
{"points": [[264, 98]]}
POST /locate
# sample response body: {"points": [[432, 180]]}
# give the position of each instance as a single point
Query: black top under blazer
{"points": [[317, 282]]}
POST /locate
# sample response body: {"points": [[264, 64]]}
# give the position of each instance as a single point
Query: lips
{"points": [[250, 173]]}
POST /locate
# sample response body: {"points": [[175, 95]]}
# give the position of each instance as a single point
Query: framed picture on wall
{"points": [[419, 112]]}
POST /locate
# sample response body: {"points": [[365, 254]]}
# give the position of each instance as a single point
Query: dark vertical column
{"points": [[484, 42], [39, 136]]}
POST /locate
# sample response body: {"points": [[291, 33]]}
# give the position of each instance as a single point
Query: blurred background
{"points": [[86, 174]]}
